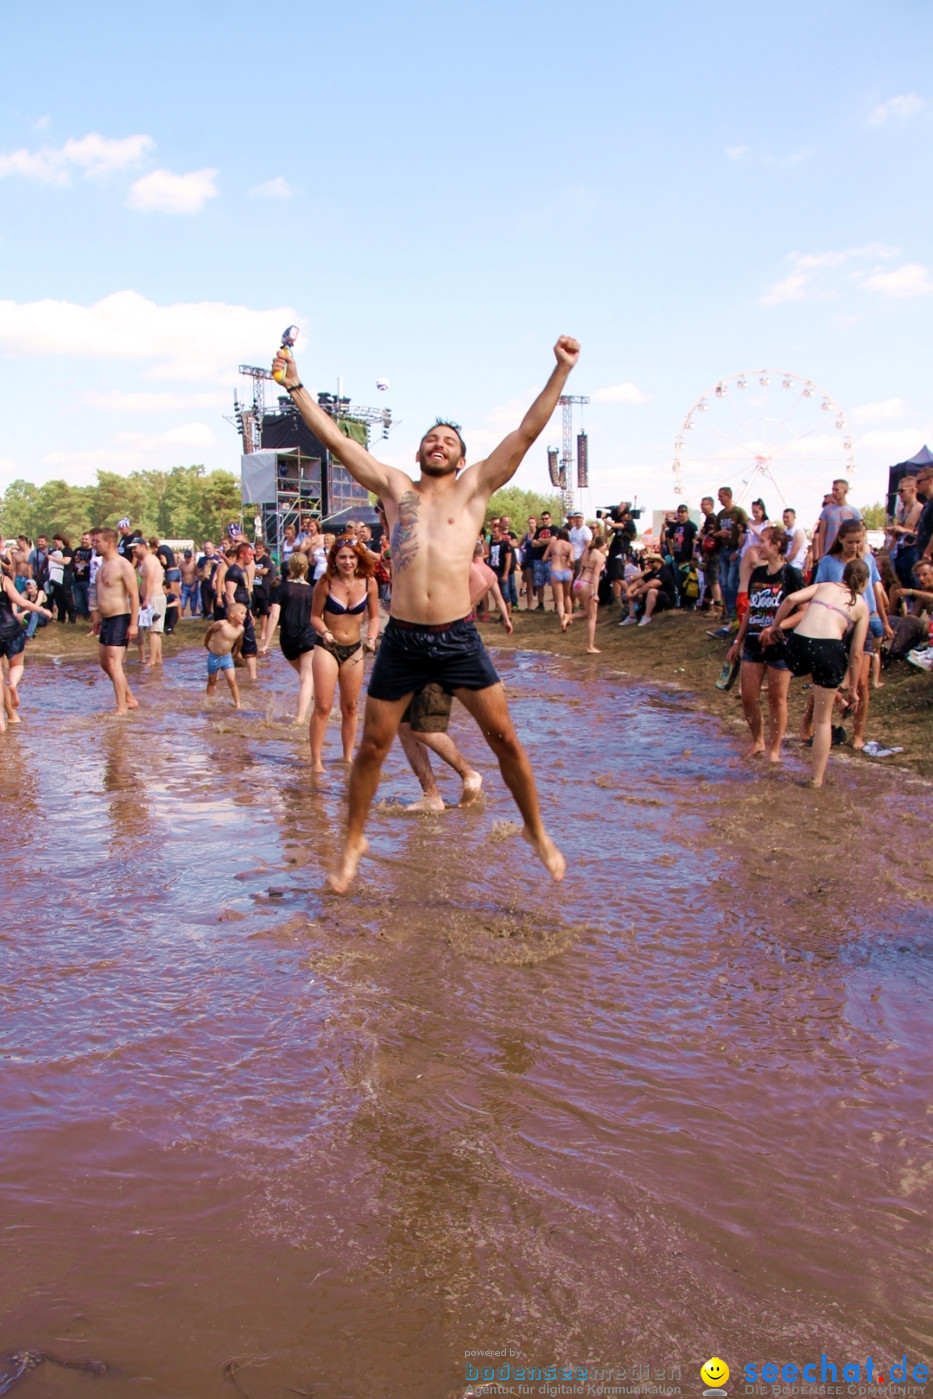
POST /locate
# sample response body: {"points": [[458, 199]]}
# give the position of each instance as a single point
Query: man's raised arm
{"points": [[501, 465], [362, 466]]}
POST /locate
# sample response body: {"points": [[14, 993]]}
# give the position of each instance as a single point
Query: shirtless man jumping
{"points": [[118, 608], [434, 523]]}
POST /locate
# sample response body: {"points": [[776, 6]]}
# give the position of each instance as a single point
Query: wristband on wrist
{"points": [[293, 388]]}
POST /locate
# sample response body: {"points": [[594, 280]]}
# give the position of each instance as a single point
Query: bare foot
{"points": [[132, 703], [755, 750], [877, 684], [15, 719], [238, 706], [427, 803], [472, 785], [548, 853], [14, 697], [774, 755], [858, 744], [593, 651], [319, 768], [353, 852]]}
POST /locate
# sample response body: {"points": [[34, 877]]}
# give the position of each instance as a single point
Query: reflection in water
{"points": [[680, 1101]]}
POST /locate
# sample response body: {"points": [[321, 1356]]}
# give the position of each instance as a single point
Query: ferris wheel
{"points": [[762, 426]]}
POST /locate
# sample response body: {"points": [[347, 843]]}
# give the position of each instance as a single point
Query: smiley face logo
{"points": [[714, 1373]]}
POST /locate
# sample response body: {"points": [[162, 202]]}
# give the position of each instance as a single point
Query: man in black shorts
{"points": [[237, 588], [118, 609], [435, 521]]}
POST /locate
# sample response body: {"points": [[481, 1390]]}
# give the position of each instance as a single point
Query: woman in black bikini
{"points": [[342, 595], [291, 609], [827, 642]]}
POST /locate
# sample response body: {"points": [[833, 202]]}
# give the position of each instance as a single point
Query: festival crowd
{"points": [[823, 605]]}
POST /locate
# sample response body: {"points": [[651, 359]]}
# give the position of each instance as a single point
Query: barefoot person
{"points": [[434, 523], [346, 591], [425, 721], [13, 634], [586, 587], [817, 647], [221, 640], [118, 607], [151, 598], [290, 610], [768, 585]]}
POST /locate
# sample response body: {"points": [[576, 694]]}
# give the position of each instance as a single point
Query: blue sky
{"points": [[435, 192]]}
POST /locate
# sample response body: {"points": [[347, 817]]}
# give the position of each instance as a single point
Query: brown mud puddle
{"points": [[261, 1140]]}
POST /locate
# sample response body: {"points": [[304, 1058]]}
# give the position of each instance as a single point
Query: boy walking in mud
{"points": [[223, 640], [434, 522]]}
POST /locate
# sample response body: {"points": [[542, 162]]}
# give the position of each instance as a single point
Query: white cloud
{"points": [[876, 412], [92, 155], [898, 444], [736, 152], [279, 188], [805, 279], [910, 280], [897, 110], [42, 123], [164, 192], [791, 289], [619, 393], [198, 342], [113, 401]]}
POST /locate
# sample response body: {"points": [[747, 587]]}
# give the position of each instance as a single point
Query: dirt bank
{"points": [[676, 652]]}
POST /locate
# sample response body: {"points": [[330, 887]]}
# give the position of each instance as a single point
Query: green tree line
{"points": [[186, 502]]}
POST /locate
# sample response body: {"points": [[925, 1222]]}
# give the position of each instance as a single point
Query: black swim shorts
{"points": [[13, 642], [113, 630], [428, 710], [823, 658], [295, 646], [412, 656], [248, 646]]}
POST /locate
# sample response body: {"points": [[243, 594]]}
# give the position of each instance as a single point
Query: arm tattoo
{"points": [[404, 543]]}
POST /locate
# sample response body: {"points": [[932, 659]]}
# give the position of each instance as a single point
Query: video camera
{"points": [[611, 512]]}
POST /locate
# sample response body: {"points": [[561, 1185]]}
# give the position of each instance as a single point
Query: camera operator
{"points": [[620, 524]]}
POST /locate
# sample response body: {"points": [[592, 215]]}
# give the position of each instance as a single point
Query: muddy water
{"points": [[256, 1139]]}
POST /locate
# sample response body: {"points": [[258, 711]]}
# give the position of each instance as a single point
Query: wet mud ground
{"points": [[259, 1139]]}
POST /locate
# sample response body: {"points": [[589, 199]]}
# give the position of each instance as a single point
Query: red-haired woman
{"points": [[344, 594]]}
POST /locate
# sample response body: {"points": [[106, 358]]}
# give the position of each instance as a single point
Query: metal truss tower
{"points": [[566, 402]]}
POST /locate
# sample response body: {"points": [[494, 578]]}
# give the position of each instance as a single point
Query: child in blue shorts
{"points": [[223, 640]]}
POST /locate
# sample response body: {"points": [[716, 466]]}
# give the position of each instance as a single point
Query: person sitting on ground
{"points": [[346, 592], [817, 647], [223, 640], [655, 592], [768, 586], [913, 630], [559, 558], [290, 610]]}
